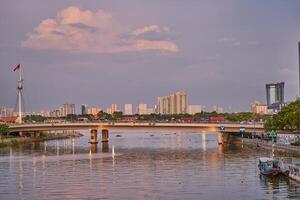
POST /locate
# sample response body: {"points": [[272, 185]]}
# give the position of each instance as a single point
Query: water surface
{"points": [[146, 165]]}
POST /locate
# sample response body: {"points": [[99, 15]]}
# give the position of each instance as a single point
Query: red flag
{"points": [[17, 67]]}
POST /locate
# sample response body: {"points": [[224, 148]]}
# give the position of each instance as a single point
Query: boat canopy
{"points": [[266, 159]]}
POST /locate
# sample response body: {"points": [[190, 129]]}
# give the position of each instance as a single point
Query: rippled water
{"points": [[146, 165]]}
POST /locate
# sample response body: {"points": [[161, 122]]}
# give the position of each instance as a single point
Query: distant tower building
{"points": [[6, 112], [275, 95], [173, 104], [260, 108], [142, 109], [150, 111], [128, 109], [217, 109], [193, 109], [83, 109], [181, 103], [114, 108], [67, 109]]}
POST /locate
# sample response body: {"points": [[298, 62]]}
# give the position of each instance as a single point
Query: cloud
{"points": [[151, 28], [98, 32]]}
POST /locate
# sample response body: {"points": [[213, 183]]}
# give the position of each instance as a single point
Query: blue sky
{"points": [[102, 52]]}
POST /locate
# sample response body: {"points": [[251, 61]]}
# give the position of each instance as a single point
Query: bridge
{"points": [[221, 129]]}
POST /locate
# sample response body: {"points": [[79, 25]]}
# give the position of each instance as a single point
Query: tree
{"points": [[104, 115], [4, 129], [71, 117], [34, 118], [117, 114], [287, 119]]}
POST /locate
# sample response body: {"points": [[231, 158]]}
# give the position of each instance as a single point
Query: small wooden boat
{"points": [[294, 172], [284, 164], [268, 166]]}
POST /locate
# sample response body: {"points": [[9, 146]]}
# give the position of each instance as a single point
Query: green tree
{"points": [[287, 119], [4, 129], [104, 115]]}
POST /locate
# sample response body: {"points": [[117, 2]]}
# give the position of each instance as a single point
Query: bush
{"points": [[43, 134], [296, 143], [4, 129], [15, 143]]}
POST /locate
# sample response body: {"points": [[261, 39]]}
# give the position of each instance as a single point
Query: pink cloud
{"points": [[87, 31]]}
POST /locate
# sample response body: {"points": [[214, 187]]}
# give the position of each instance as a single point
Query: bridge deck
{"points": [[136, 125]]}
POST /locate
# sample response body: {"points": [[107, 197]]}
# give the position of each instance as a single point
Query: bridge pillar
{"points": [[105, 135], [21, 134], [94, 139]]}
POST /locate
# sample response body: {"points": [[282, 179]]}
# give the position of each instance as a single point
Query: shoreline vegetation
{"points": [[281, 149], [14, 141]]}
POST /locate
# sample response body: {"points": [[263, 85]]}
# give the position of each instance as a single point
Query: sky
{"points": [[100, 52]]}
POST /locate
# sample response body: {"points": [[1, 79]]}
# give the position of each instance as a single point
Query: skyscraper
{"points": [[83, 109], [173, 104], [275, 95], [142, 109], [128, 109], [193, 109], [114, 108], [66, 109]]}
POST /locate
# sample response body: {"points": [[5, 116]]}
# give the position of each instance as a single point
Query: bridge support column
{"points": [[105, 135], [94, 139], [21, 134]]}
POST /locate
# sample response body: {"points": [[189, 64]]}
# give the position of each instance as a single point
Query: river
{"points": [[145, 165]]}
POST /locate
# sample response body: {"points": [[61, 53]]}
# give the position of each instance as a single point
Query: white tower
{"points": [[20, 92]]}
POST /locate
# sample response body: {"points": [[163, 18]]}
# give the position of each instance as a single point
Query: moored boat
{"points": [[268, 166], [284, 163], [294, 172]]}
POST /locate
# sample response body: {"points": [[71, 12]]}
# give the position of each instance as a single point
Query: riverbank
{"points": [[280, 148], [44, 136]]}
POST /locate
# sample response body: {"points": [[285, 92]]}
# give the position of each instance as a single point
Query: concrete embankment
{"points": [[15, 141], [283, 148]]}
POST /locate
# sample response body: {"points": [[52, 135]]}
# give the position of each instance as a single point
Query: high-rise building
{"points": [[193, 109], [217, 109], [181, 103], [92, 110], [275, 95], [66, 109], [142, 109], [114, 108], [128, 109], [6, 111], [173, 104], [88, 110], [260, 108], [150, 111], [83, 109], [108, 110]]}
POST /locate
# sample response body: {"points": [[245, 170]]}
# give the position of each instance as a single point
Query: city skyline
{"points": [[205, 51]]}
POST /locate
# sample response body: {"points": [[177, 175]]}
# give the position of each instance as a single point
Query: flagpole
{"points": [[20, 88]]}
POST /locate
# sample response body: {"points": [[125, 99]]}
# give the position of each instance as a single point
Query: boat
{"points": [[268, 166], [294, 171], [284, 163]]}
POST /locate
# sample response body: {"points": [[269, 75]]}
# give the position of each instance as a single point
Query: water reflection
{"points": [[105, 147], [138, 166]]}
